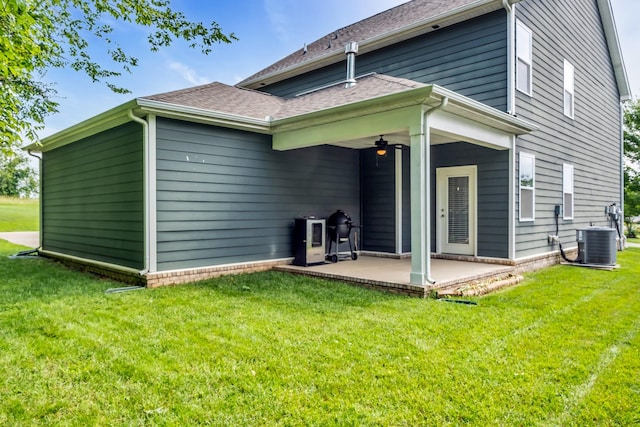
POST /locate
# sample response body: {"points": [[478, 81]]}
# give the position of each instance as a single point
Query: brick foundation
{"points": [[177, 277]]}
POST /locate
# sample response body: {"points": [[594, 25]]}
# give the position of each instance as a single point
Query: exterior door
{"points": [[456, 210]]}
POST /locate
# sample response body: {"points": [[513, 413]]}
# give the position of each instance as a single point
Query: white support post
{"points": [[399, 212], [420, 240]]}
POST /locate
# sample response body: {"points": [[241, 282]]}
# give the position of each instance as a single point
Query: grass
{"points": [[272, 349], [18, 214]]}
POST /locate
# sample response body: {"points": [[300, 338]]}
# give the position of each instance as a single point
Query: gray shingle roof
{"points": [[369, 87], [225, 99], [389, 21]]}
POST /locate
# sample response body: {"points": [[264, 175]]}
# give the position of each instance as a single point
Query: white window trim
{"points": [[568, 188], [532, 188], [528, 61], [569, 79]]}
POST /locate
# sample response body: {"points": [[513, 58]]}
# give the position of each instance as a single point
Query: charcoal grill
{"points": [[339, 226]]}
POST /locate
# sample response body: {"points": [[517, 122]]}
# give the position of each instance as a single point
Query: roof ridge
{"points": [[385, 22]]}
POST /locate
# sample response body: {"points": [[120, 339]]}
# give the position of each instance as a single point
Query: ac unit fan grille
{"points": [[599, 247]]}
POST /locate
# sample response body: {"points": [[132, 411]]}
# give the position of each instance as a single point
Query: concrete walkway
{"points": [[30, 239]]}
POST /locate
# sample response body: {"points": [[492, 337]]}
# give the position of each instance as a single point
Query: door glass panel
{"points": [[458, 215]]}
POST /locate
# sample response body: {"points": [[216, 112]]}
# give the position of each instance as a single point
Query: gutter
{"points": [[201, 115], [101, 264]]}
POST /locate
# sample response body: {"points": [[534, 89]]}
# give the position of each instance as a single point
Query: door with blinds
{"points": [[456, 210]]}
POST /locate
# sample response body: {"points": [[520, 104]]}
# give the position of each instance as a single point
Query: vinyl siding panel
{"points": [[406, 201], [469, 58], [378, 201], [569, 30], [92, 198], [492, 189], [224, 196]]}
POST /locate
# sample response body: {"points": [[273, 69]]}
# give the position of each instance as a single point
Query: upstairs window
{"points": [[569, 84], [567, 191], [524, 60], [527, 187]]}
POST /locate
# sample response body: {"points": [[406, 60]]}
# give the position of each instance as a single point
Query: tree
{"points": [[37, 35], [632, 164], [17, 178]]}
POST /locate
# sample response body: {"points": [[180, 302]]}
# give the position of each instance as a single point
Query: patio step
{"points": [[480, 287]]}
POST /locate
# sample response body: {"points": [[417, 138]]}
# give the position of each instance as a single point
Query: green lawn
{"points": [[18, 214], [271, 349]]}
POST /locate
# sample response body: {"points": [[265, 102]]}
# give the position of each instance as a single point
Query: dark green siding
{"points": [[493, 193], [570, 30], [406, 201], [378, 201], [469, 58], [224, 196], [92, 197]]}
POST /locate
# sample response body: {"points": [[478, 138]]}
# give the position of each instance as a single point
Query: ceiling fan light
{"points": [[381, 151]]}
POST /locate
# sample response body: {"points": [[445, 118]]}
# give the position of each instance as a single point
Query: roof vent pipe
{"points": [[351, 49]]}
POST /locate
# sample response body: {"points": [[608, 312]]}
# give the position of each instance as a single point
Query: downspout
{"points": [[40, 216], [624, 240], [426, 260], [511, 54], [145, 167], [511, 109]]}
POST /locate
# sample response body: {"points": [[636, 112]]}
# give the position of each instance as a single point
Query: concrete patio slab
{"points": [[393, 274]]}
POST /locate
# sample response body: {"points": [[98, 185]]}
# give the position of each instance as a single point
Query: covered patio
{"points": [[419, 117], [452, 276]]}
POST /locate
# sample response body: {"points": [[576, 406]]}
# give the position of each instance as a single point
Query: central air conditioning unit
{"points": [[597, 246]]}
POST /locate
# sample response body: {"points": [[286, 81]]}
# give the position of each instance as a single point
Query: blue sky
{"points": [[268, 30]]}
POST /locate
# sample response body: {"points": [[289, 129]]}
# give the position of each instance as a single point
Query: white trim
{"points": [[104, 121], [398, 190], [568, 173], [511, 57], [532, 188], [442, 205], [512, 198], [522, 29], [151, 195], [569, 88], [449, 125], [615, 52]]}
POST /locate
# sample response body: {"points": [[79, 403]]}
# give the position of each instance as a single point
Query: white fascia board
{"points": [[477, 111], [200, 115], [342, 112], [461, 14], [615, 52], [96, 124]]}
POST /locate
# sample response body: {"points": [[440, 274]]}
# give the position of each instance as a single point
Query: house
{"points": [[500, 110]]}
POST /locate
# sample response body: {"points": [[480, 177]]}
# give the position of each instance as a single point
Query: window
{"points": [[569, 77], [567, 191], [527, 187], [524, 61]]}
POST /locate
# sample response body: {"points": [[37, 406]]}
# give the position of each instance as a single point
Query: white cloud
{"points": [[277, 14], [188, 73]]}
